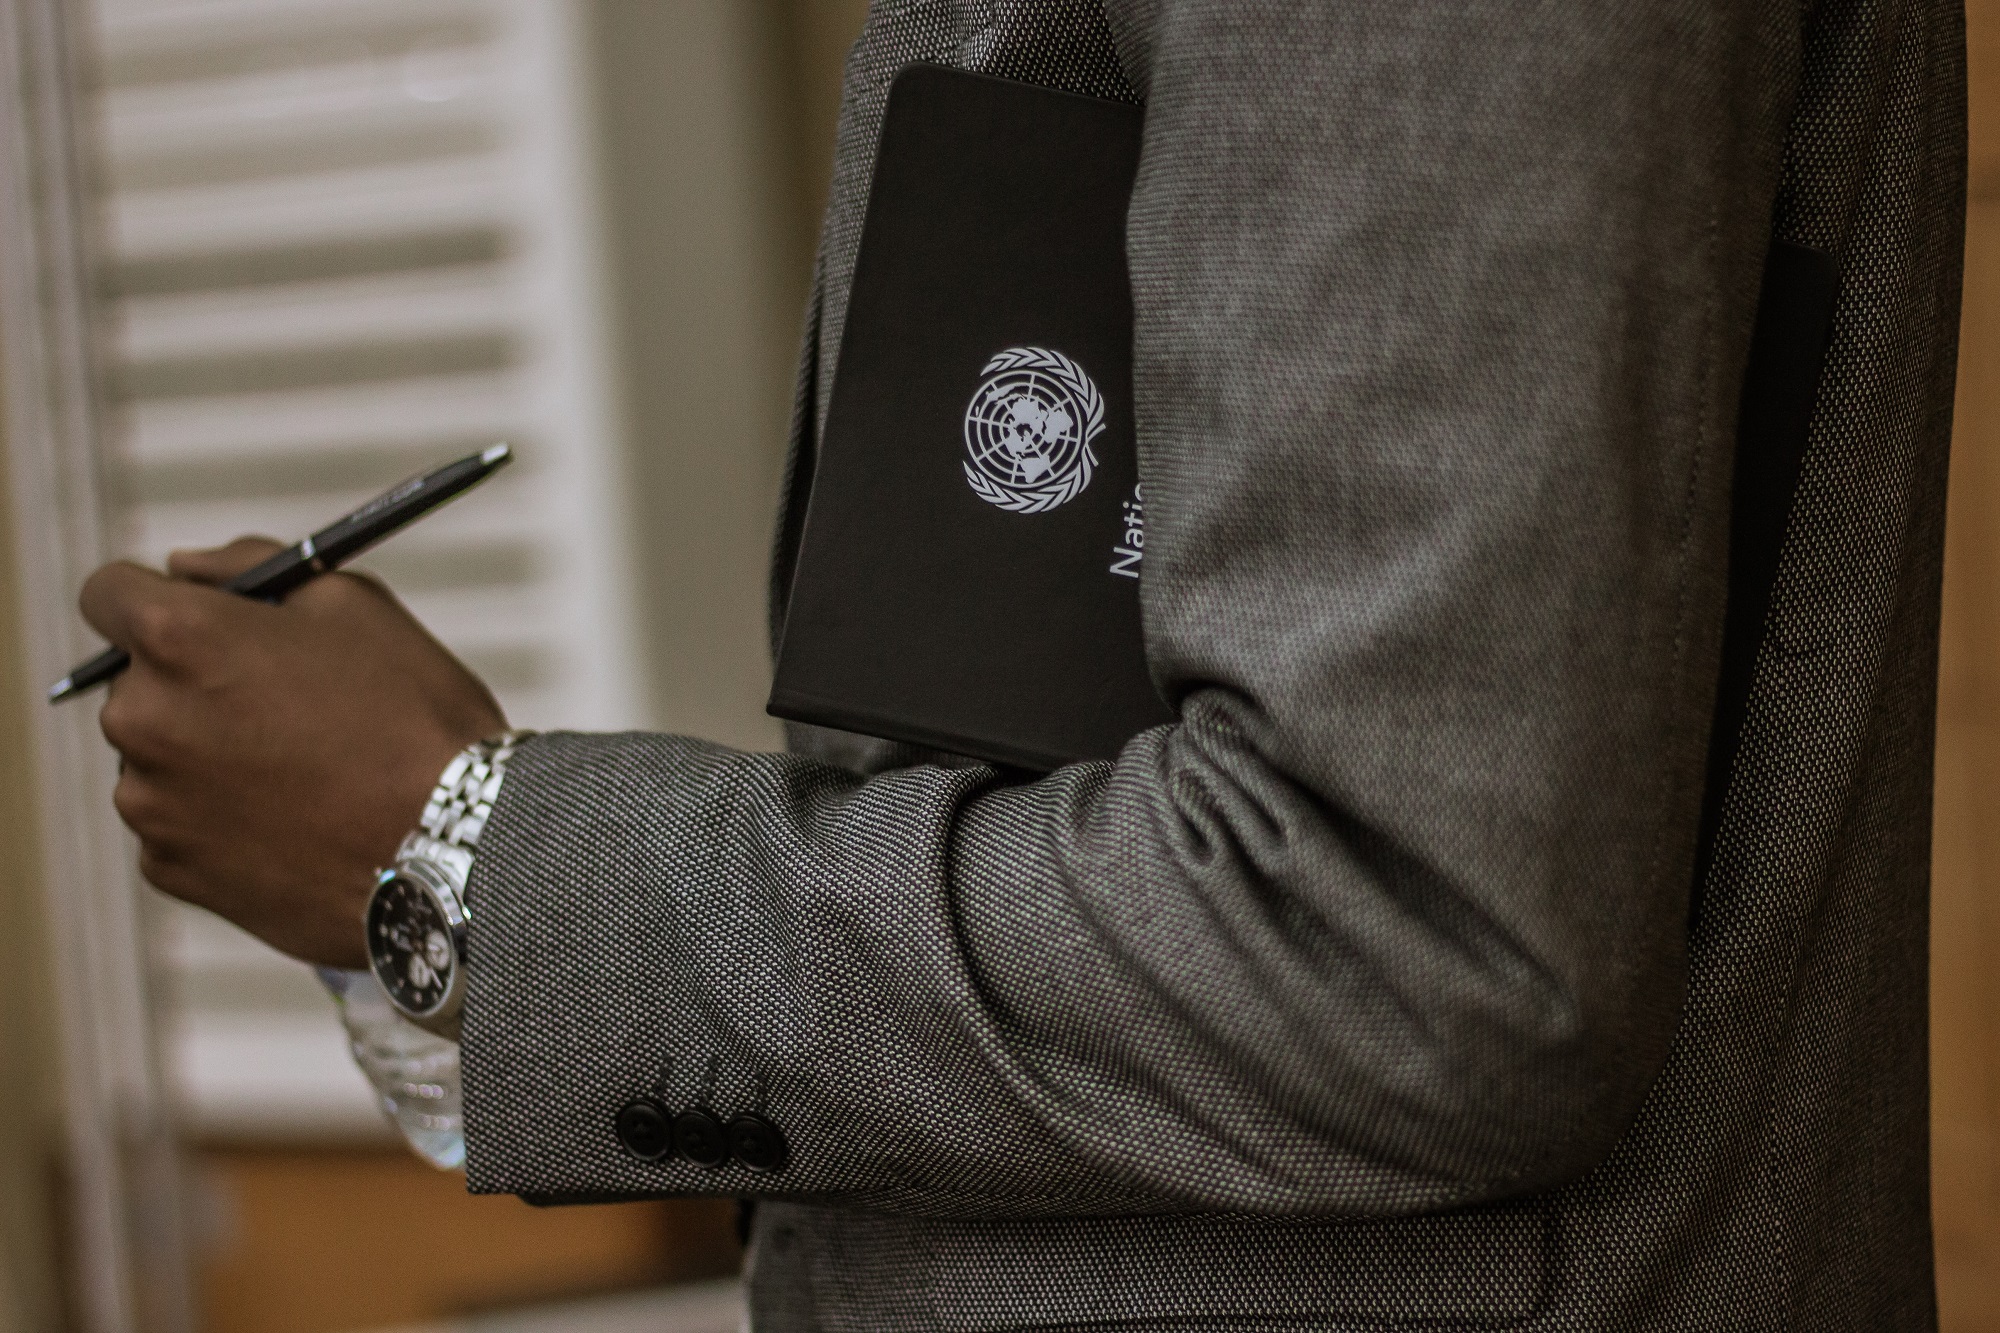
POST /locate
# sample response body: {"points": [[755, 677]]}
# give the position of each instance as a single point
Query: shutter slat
{"points": [[347, 250]]}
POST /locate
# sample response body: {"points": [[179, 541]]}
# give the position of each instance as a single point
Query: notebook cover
{"points": [[968, 572]]}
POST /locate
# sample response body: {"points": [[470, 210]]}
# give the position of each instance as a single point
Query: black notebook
{"points": [[968, 573]]}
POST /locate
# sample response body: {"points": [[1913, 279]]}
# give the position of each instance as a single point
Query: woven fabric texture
{"points": [[1367, 994]]}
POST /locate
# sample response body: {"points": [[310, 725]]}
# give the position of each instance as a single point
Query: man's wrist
{"points": [[463, 798], [417, 916]]}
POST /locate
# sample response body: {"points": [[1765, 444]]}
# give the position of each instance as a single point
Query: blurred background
{"points": [[260, 258], [265, 258]]}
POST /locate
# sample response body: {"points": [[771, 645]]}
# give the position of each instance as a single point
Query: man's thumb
{"points": [[222, 563]]}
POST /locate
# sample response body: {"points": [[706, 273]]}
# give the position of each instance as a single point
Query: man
{"points": [[1374, 991]]}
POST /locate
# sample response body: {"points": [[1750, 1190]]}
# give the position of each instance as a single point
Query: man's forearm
{"points": [[1440, 320]]}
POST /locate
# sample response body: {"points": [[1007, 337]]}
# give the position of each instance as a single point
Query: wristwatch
{"points": [[417, 914]]}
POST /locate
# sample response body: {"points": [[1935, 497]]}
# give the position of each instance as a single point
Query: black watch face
{"points": [[409, 938]]}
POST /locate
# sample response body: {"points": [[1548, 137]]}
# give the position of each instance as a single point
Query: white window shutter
{"points": [[348, 242]]}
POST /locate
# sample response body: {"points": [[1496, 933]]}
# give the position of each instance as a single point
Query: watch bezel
{"points": [[436, 883]]}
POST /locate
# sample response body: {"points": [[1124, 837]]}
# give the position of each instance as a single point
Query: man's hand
{"points": [[274, 756]]}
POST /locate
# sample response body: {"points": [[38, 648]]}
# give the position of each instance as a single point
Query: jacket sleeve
{"points": [[1441, 312]]}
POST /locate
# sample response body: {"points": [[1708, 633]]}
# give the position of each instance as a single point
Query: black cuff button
{"points": [[699, 1137], [644, 1129], [757, 1143]]}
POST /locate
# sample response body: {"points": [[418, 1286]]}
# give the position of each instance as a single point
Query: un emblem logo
{"points": [[1028, 430]]}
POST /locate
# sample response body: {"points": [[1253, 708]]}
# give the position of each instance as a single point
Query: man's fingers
{"points": [[342, 592], [142, 719], [138, 802], [222, 563], [117, 597], [169, 622], [128, 726], [168, 873]]}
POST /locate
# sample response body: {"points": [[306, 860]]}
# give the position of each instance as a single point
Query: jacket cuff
{"points": [[646, 964]]}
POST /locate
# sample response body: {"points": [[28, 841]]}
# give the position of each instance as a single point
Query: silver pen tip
{"points": [[59, 689], [495, 453]]}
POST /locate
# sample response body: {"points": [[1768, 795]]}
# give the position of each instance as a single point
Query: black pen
{"points": [[326, 550]]}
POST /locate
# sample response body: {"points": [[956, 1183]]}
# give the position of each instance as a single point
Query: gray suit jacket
{"points": [[1367, 994]]}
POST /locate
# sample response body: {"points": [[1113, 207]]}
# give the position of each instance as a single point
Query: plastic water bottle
{"points": [[415, 1073]]}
